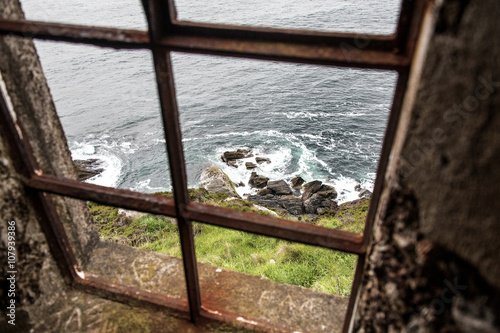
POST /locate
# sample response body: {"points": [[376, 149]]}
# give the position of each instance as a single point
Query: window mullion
{"points": [[173, 139]]}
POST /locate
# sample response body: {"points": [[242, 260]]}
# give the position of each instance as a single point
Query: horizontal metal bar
{"points": [[345, 55], [346, 50], [101, 36], [219, 216], [143, 202], [277, 228]]}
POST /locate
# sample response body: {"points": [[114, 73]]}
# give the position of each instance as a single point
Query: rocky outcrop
{"points": [[314, 200], [86, 169], [213, 179], [311, 187], [297, 182], [290, 203], [318, 197], [257, 181], [250, 165], [261, 160], [279, 187], [236, 155]]}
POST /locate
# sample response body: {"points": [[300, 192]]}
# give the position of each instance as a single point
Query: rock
{"points": [[232, 163], [329, 191], [214, 180], [297, 182], [246, 152], [365, 193], [261, 160], [241, 184], [312, 187], [280, 187], [318, 201], [236, 155], [291, 204], [265, 191], [351, 204], [257, 181], [357, 188], [86, 169], [250, 165]]}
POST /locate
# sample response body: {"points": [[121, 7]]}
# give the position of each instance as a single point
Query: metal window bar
{"points": [[167, 34]]}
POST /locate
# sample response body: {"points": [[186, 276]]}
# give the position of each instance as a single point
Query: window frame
{"points": [[166, 34]]}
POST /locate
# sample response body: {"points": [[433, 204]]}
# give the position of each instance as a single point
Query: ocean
{"points": [[318, 122]]}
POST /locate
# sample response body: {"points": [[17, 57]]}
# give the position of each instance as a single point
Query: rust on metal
{"points": [[277, 228], [154, 204], [343, 55], [159, 22], [219, 216], [337, 49], [100, 36]]}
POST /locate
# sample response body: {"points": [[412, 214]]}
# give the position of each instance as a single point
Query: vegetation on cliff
{"points": [[278, 260]]}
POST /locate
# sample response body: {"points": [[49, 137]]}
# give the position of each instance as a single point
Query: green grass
{"points": [[281, 261]]}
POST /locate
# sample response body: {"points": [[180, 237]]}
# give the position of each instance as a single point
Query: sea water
{"points": [[317, 122]]}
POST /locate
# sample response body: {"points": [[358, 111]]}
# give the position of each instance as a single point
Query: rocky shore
{"points": [[297, 197]]}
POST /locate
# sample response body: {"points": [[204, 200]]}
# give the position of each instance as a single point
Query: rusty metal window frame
{"points": [[166, 34]]}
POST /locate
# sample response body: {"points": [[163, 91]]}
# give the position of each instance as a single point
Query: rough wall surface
{"points": [[433, 265], [30, 97]]}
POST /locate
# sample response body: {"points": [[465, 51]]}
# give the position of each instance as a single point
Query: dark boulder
{"points": [[261, 160], [328, 191], [297, 182], [291, 204], [250, 165], [86, 169], [279, 187], [232, 163], [265, 191], [312, 187], [257, 181], [236, 155], [319, 201], [357, 188]]}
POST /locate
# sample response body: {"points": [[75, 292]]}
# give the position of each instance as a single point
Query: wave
{"points": [[100, 150]]}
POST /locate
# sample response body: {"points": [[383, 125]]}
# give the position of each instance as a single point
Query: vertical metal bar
{"points": [[159, 16], [173, 138]]}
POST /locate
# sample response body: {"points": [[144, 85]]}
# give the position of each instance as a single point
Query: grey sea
{"points": [[316, 122]]}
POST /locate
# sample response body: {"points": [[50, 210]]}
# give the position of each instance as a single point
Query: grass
{"points": [[281, 261]]}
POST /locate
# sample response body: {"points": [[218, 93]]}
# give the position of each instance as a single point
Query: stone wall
{"points": [[434, 264]]}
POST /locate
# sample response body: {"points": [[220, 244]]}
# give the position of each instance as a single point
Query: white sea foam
{"points": [[111, 163], [143, 186]]}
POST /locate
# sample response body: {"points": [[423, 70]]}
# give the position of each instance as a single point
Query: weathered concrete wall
{"points": [[434, 262], [30, 97]]}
